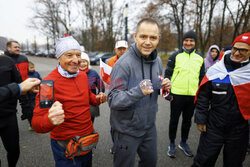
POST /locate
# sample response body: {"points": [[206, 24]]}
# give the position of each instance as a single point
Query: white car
{"points": [[1, 52]]}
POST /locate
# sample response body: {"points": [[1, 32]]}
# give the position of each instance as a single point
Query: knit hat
{"points": [[82, 48], [244, 38], [190, 34], [65, 44], [85, 56]]}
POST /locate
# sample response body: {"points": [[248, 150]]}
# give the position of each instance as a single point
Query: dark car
{"points": [[92, 54], [103, 56], [52, 54]]}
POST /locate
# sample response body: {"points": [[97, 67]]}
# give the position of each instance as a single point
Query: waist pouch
{"points": [[81, 145]]}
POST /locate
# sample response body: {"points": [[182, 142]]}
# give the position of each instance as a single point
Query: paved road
{"points": [[36, 151]]}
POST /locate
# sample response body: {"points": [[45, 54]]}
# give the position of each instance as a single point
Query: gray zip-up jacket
{"points": [[132, 112]]}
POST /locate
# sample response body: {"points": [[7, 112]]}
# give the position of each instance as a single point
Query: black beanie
{"points": [[190, 34]]}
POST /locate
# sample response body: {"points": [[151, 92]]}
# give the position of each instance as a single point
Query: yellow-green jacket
{"points": [[185, 70]]}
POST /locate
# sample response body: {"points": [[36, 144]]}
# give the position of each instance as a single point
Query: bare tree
{"points": [[3, 42], [90, 30], [222, 22], [102, 25], [204, 16], [177, 15], [52, 18], [241, 14], [246, 25]]}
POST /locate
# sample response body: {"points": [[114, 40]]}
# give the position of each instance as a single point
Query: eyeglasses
{"points": [[241, 50]]}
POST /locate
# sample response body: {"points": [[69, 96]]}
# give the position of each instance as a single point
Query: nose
{"points": [[147, 41], [75, 59], [237, 52]]}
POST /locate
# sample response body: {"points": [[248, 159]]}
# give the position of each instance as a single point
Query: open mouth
{"points": [[147, 49]]}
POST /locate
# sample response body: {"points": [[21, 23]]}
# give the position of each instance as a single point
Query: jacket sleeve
{"points": [[39, 77], [202, 72], [120, 96], [23, 99], [9, 91], [202, 104], [92, 98], [99, 83], [40, 121], [170, 66]]}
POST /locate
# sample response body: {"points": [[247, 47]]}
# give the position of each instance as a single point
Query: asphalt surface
{"points": [[36, 151]]}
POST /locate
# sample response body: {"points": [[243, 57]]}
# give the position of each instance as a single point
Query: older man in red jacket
{"points": [[69, 116]]}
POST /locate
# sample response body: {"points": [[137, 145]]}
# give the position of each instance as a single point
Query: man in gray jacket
{"points": [[133, 98]]}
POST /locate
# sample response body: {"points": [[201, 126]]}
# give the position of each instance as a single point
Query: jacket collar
{"points": [[188, 51], [9, 54]]}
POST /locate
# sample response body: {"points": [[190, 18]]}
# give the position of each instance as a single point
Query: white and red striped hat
{"points": [[121, 43]]}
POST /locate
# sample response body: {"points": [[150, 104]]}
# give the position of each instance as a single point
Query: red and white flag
{"points": [[240, 80], [105, 71]]}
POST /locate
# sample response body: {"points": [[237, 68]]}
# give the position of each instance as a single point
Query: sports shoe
{"points": [[171, 150], [185, 148]]}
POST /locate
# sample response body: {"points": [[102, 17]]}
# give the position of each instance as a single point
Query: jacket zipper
{"points": [[188, 68], [175, 77]]}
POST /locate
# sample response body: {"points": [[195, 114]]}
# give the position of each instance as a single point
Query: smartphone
{"points": [[46, 93]]}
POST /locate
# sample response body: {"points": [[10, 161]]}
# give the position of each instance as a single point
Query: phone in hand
{"points": [[46, 93]]}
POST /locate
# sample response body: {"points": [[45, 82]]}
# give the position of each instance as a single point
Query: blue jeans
{"points": [[62, 161]]}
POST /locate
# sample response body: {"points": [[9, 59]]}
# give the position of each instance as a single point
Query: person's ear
{"points": [[135, 36]]}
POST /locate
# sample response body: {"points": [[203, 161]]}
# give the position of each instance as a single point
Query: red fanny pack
{"points": [[81, 145]]}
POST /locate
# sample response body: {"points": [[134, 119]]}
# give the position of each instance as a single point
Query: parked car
{"points": [[103, 56], [29, 53], [51, 54], [41, 54], [1, 52], [92, 54]]}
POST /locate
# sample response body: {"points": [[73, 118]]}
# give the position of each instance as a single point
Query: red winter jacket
{"points": [[21, 63], [76, 97]]}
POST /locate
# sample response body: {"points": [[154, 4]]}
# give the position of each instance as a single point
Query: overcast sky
{"points": [[14, 18]]}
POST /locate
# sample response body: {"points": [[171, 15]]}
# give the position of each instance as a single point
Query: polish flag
{"points": [[240, 80], [105, 71]]}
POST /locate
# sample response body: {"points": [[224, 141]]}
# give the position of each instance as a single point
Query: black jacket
{"points": [[217, 102], [9, 90], [21, 63]]}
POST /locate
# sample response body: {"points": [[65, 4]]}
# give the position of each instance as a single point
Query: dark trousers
{"points": [[62, 161], [234, 139], [10, 137], [185, 105], [249, 133], [126, 147]]}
